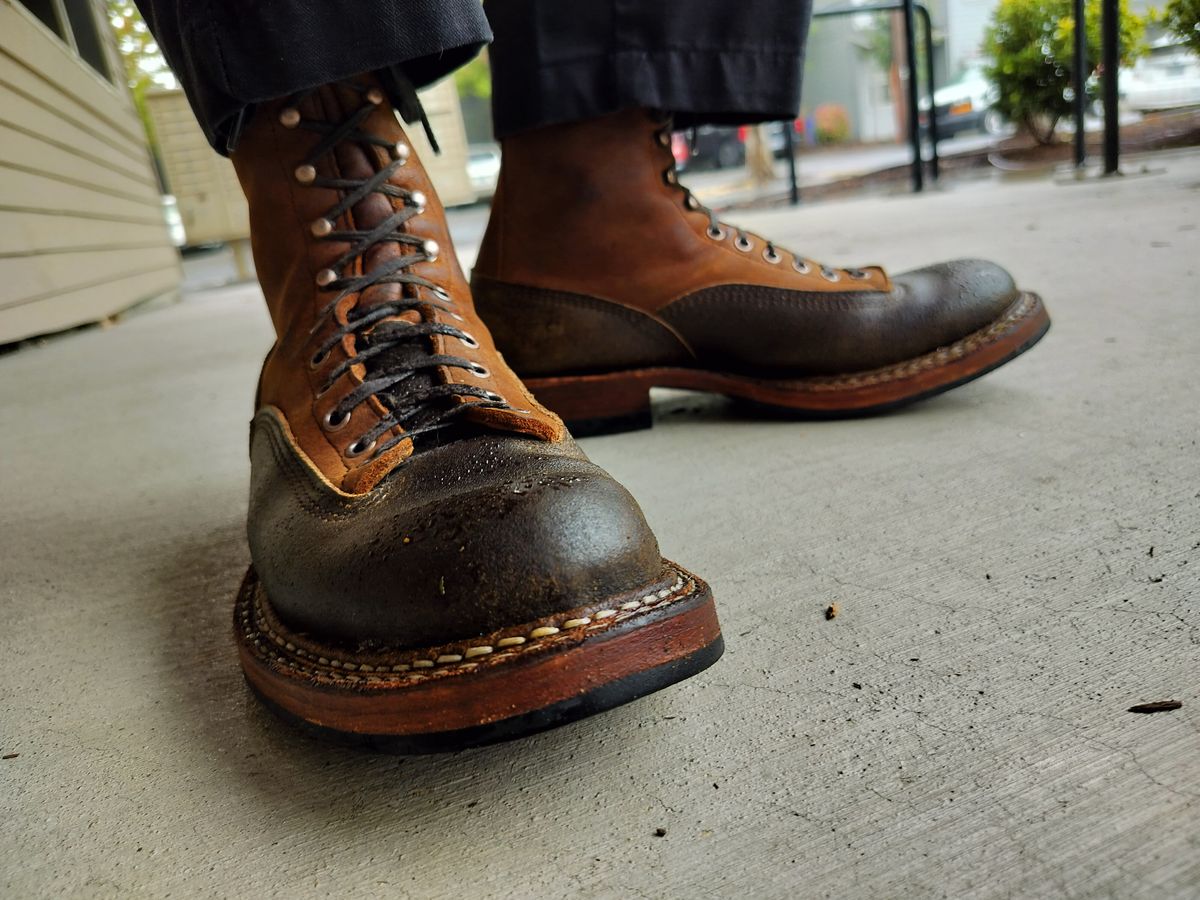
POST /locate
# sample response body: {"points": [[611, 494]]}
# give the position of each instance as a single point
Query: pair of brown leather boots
{"points": [[436, 564]]}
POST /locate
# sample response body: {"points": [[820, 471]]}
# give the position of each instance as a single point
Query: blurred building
{"points": [[82, 231]]}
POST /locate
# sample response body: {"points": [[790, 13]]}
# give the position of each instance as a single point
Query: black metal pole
{"points": [[789, 146], [1110, 40], [927, 31], [914, 126], [1079, 81]]}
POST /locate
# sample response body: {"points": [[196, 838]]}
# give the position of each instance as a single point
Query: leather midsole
{"points": [[468, 692]]}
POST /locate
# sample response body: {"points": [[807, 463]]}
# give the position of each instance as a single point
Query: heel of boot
{"points": [[596, 404]]}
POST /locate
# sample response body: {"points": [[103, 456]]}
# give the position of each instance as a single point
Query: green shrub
{"points": [[1030, 45], [1183, 18]]}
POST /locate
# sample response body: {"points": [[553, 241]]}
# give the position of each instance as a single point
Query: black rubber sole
{"points": [[605, 697], [645, 419]]}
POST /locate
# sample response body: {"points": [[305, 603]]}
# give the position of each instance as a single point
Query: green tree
{"points": [[145, 67], [1183, 18], [1030, 44]]}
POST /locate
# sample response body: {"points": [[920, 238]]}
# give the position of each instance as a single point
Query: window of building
{"points": [[78, 23], [85, 27], [47, 11]]}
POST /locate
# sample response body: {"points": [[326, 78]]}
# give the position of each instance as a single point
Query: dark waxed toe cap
{"points": [[956, 298], [459, 541], [775, 332]]}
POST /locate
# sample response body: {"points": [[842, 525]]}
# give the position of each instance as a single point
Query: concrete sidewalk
{"points": [[1016, 563]]}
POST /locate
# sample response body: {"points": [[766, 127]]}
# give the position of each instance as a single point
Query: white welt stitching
{"points": [[257, 631]]}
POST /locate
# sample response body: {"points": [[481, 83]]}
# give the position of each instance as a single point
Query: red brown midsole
{"points": [[444, 689], [615, 394]]}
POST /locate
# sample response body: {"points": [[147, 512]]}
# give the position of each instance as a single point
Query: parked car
{"points": [[1167, 77], [966, 104], [709, 146], [483, 169]]}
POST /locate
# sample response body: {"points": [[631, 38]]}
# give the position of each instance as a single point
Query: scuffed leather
{"points": [[755, 330], [459, 541], [288, 256], [592, 262]]}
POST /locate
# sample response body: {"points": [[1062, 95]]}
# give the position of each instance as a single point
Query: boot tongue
{"points": [[358, 161]]}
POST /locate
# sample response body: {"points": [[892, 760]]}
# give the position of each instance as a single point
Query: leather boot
{"points": [[601, 276], [435, 563]]}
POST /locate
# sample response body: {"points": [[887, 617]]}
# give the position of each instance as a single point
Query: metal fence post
{"points": [[1079, 81], [1110, 39]]}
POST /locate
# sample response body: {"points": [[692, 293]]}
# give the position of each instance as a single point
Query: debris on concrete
{"points": [[1156, 706]]}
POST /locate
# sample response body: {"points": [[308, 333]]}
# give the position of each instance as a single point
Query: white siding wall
{"points": [[81, 226]]}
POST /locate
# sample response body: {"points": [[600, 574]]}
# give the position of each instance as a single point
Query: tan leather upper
{"points": [[597, 206], [289, 256]]}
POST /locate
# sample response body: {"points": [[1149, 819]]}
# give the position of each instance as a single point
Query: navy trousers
{"points": [[553, 61]]}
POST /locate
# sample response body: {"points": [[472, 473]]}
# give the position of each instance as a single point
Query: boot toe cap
{"points": [[958, 297], [482, 538]]}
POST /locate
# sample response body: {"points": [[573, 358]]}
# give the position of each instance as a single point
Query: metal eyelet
{"points": [[441, 293], [468, 341], [375, 96], [358, 449], [418, 200], [430, 248], [331, 421], [717, 234], [859, 275], [771, 256], [830, 275], [478, 371], [744, 243], [492, 397], [318, 358], [400, 151], [664, 139], [290, 117], [321, 227], [801, 266], [306, 174], [671, 177], [691, 203], [326, 277]]}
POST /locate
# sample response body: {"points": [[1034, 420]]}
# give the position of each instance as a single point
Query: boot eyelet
{"points": [[744, 243], [332, 421], [400, 152], [671, 177], [418, 200], [469, 341], [492, 397], [717, 234], [860, 275], [318, 358], [321, 227], [830, 275], [306, 174], [358, 448], [801, 266], [771, 256], [326, 277], [455, 316], [691, 203], [375, 96], [430, 249], [290, 117], [664, 139], [442, 294], [478, 371]]}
